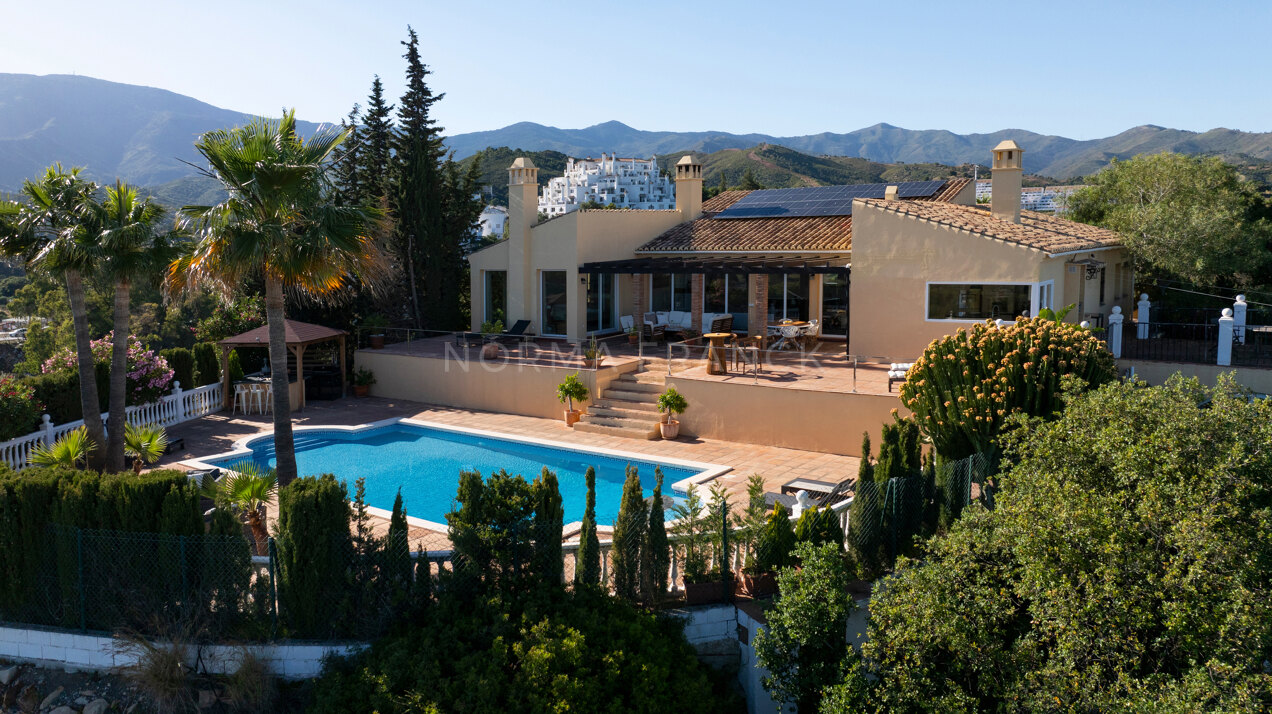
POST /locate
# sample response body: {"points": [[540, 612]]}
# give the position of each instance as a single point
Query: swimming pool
{"points": [[424, 461]]}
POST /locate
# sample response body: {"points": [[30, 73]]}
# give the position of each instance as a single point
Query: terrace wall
{"points": [[1257, 380], [828, 422]]}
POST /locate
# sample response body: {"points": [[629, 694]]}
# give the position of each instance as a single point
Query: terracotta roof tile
{"points": [[297, 332], [722, 200], [1040, 231]]}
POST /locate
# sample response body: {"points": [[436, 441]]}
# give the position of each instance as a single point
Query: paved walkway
{"points": [[218, 432]]}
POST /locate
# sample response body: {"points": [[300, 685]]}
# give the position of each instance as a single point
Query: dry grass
{"points": [[251, 688]]}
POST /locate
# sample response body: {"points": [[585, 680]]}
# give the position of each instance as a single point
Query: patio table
{"points": [[717, 362]]}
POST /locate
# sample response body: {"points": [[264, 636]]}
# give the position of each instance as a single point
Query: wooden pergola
{"points": [[300, 335]]}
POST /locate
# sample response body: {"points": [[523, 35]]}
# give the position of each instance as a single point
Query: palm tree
{"points": [[132, 249], [144, 443], [72, 450], [280, 222], [53, 232], [246, 489]]}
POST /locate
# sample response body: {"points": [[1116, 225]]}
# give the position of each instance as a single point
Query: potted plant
{"points": [[491, 350], [363, 378], [375, 324], [568, 392], [670, 405], [592, 356], [773, 546], [693, 523], [633, 335]]}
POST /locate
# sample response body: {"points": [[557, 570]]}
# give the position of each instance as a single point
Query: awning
{"points": [[722, 265]]}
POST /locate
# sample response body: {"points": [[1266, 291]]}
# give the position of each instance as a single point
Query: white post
{"points": [[1239, 318], [1225, 338], [48, 430], [1115, 332], [1141, 318]]}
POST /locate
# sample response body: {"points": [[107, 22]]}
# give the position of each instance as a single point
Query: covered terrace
{"points": [[300, 336]]}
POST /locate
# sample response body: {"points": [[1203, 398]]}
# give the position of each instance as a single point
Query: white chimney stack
{"points": [[890, 193], [1005, 199]]}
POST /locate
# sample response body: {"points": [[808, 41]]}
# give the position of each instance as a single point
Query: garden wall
{"points": [[1258, 380]]}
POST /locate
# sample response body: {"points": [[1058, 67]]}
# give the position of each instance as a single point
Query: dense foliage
{"points": [[207, 364], [1189, 217], [587, 569], [314, 551], [19, 409], [966, 385], [149, 375], [1126, 567], [181, 360], [59, 392]]}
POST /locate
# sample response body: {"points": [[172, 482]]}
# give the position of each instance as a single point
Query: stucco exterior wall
{"points": [[469, 384], [829, 422]]}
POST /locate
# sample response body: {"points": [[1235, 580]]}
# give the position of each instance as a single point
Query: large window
{"points": [[971, 301], [552, 292], [670, 292], [727, 293], [834, 304], [496, 301], [602, 303], [787, 297]]}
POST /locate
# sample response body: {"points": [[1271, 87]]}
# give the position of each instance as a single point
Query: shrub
{"points": [[315, 549], [491, 531], [819, 526], [865, 516], [235, 367], [587, 569], [59, 392], [547, 531], [966, 385], [207, 364], [656, 553], [181, 361], [776, 541], [19, 409], [629, 536], [571, 390], [691, 526], [149, 375]]}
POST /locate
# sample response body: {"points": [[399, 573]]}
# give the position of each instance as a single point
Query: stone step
{"points": [[646, 407], [629, 395], [634, 385], [658, 379], [622, 410], [628, 428]]}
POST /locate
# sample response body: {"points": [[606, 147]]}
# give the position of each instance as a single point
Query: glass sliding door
{"points": [[788, 297], [834, 305], [728, 294], [669, 292], [602, 303], [552, 291], [496, 300]]}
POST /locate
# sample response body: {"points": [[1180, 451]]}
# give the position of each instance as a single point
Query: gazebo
{"points": [[300, 335]]}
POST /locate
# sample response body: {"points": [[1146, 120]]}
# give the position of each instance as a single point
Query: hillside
{"points": [[140, 134]]}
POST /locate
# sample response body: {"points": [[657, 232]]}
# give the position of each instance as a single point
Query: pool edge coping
{"points": [[706, 472]]}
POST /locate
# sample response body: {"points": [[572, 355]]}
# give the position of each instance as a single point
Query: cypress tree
{"points": [[629, 536], [549, 519], [865, 523], [398, 548], [587, 568], [346, 160], [657, 552], [377, 146], [471, 556]]}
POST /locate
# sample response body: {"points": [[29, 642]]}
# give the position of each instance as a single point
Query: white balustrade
{"points": [[1115, 332], [1225, 339], [1141, 317], [1239, 319]]}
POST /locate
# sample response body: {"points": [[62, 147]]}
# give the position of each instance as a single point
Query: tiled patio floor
{"points": [[217, 433]]}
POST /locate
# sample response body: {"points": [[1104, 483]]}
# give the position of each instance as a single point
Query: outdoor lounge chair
{"points": [[513, 334], [897, 372]]}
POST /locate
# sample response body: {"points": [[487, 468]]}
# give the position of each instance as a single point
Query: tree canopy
{"points": [[1189, 217]]}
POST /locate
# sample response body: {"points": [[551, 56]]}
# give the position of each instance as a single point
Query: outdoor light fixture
{"points": [[1092, 266]]}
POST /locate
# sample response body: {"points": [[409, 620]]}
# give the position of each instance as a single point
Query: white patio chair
{"points": [[242, 397]]}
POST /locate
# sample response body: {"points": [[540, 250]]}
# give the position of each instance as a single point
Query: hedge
{"points": [[207, 365], [19, 409], [315, 551], [181, 361], [59, 392]]}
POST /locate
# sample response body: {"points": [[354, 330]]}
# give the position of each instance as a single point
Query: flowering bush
{"points": [[19, 410], [965, 385], [149, 375]]}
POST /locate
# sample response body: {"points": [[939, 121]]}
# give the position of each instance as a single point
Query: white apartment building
{"points": [[624, 183], [492, 221], [1047, 199]]}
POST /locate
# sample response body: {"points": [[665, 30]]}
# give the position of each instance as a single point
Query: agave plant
{"points": [[145, 443], [71, 449], [248, 487]]}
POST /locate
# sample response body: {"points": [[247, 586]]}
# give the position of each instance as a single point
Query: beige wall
{"points": [[829, 422], [508, 389], [894, 258], [1257, 380]]}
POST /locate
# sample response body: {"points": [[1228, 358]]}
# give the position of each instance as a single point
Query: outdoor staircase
{"points": [[629, 406]]}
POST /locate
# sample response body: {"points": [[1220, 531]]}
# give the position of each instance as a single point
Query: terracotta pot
{"points": [[705, 593], [361, 390], [633, 338], [377, 342], [757, 586], [670, 430], [663, 417], [490, 351], [592, 363], [572, 416]]}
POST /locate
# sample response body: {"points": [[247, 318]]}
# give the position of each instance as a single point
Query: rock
{"points": [[207, 698], [81, 701], [63, 710], [8, 674], [48, 701], [97, 706], [29, 700], [132, 708]]}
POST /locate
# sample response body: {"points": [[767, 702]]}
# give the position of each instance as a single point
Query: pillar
{"points": [[1115, 332], [757, 306], [1225, 338], [1141, 317], [1239, 318], [640, 298], [697, 286]]}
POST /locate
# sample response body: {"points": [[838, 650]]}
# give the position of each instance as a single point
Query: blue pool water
{"points": [[425, 463]]}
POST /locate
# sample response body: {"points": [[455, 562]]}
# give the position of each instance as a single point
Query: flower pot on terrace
{"points": [[377, 342], [572, 416], [706, 593], [490, 351], [633, 338], [670, 430], [757, 586], [663, 417], [361, 390]]}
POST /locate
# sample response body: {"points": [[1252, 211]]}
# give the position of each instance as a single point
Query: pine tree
{"points": [[657, 553], [549, 517], [377, 145], [587, 567], [629, 536], [749, 182], [347, 159], [398, 550], [724, 182]]}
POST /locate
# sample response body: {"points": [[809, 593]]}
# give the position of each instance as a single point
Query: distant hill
{"points": [[139, 134], [1047, 155]]}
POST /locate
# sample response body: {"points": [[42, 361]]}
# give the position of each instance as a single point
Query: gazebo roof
{"points": [[298, 333]]}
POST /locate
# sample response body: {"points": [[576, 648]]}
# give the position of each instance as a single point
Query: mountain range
{"points": [[145, 135]]}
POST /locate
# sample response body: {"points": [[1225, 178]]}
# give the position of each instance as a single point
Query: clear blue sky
{"points": [[1079, 69]]}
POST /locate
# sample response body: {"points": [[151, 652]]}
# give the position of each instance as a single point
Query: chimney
{"points": [[890, 193], [523, 213], [688, 188], [1005, 198]]}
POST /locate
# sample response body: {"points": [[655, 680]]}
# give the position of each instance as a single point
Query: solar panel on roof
{"points": [[819, 200]]}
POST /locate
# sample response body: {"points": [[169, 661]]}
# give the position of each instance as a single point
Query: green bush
{"points": [[491, 532], [314, 551], [819, 526], [59, 392], [588, 569], [19, 409], [207, 364], [629, 536], [235, 366], [181, 361], [775, 542], [549, 517]]}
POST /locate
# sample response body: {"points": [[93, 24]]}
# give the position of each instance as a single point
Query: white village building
{"points": [[1044, 199], [623, 183], [492, 221]]}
